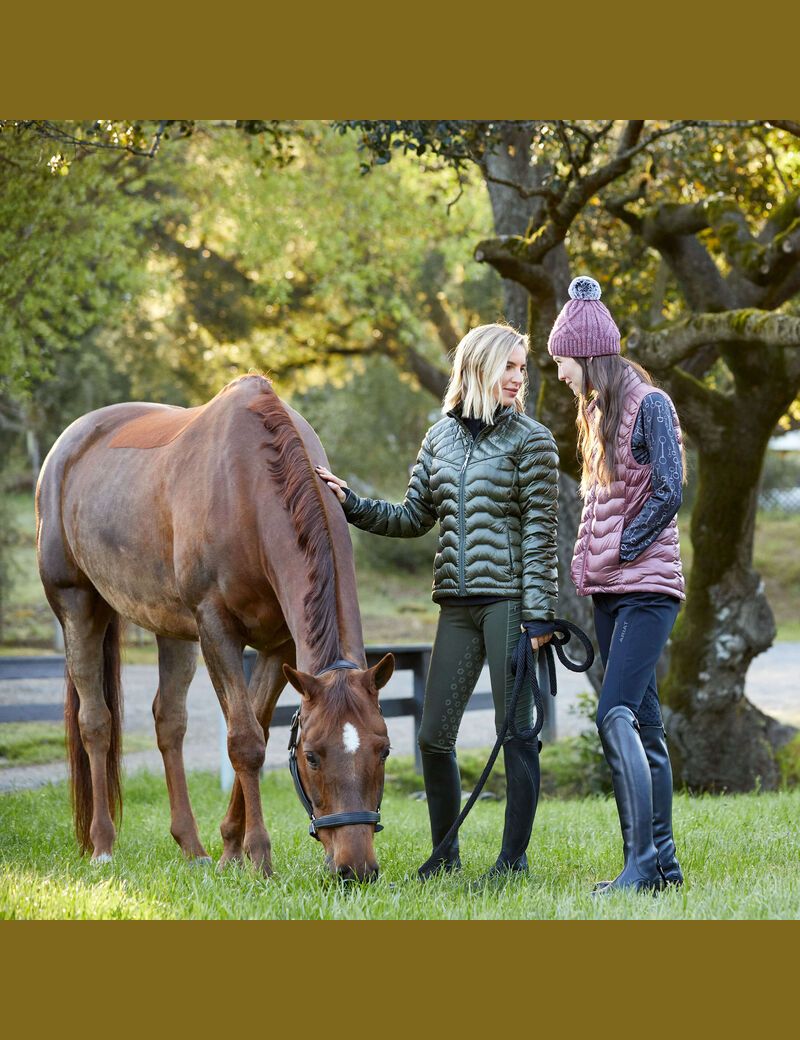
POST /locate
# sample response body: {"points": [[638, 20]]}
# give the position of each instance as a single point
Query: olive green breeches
{"points": [[466, 637]]}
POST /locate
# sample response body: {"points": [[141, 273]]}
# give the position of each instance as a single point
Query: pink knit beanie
{"points": [[584, 328]]}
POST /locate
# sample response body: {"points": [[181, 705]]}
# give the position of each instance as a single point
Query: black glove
{"points": [[539, 628]]}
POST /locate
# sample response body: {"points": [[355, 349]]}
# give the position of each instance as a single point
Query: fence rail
{"points": [[414, 658]]}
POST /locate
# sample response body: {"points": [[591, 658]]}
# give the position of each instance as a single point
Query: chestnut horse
{"points": [[209, 524]]}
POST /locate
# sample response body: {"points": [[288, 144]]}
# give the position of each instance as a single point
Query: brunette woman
{"points": [[627, 558]]}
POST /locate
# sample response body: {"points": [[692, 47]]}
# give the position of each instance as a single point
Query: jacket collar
{"points": [[500, 415]]}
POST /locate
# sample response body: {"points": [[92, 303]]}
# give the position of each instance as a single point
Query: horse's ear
{"points": [[381, 673], [306, 685]]}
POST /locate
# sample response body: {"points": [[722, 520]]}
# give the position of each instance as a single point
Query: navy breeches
{"points": [[632, 629]]}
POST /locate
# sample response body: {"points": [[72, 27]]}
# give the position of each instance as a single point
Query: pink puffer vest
{"points": [[596, 566]]}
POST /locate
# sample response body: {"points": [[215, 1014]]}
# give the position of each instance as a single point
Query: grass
{"points": [[37, 743], [395, 605], [738, 852]]}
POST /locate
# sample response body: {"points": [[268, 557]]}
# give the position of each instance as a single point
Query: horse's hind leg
{"points": [[91, 642], [177, 660], [266, 684]]}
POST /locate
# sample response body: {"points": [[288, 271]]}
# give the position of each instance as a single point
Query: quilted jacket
{"points": [[496, 500]]}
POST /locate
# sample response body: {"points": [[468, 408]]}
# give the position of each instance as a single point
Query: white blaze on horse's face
{"points": [[350, 738]]}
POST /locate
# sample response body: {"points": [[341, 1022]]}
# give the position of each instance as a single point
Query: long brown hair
{"points": [[600, 413]]}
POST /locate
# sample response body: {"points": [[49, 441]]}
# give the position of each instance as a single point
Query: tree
{"points": [[712, 212]]}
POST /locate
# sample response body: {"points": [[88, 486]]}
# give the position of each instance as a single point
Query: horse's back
{"points": [[137, 498]]}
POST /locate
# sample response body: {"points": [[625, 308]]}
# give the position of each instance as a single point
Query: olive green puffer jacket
{"points": [[496, 500]]}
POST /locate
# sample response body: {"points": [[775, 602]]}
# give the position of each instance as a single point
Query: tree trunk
{"points": [[719, 740], [511, 161]]}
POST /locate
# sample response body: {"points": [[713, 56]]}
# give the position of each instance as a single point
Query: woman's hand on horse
{"points": [[336, 484]]}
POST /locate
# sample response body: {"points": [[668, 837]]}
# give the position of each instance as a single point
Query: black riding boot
{"points": [[655, 747], [522, 796], [443, 791], [630, 775]]}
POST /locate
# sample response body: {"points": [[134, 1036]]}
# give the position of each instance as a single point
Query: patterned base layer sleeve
{"points": [[538, 497], [653, 441], [412, 517]]}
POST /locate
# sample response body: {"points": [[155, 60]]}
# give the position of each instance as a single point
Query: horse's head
{"points": [[342, 746]]}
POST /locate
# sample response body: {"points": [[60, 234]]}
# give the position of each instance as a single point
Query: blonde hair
{"points": [[479, 364]]}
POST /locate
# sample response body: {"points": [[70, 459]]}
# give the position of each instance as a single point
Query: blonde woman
{"points": [[487, 473]]}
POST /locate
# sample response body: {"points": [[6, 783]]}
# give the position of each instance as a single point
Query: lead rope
{"points": [[524, 669]]}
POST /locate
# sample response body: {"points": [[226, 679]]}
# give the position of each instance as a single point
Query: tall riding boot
{"points": [[443, 791], [630, 776], [655, 747], [522, 796]]}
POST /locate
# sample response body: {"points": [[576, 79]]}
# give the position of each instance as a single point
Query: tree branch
{"points": [[542, 192], [667, 347], [786, 124], [704, 413], [431, 378], [501, 253], [760, 264]]}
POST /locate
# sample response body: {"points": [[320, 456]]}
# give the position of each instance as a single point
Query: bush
{"points": [[788, 759], [411, 555]]}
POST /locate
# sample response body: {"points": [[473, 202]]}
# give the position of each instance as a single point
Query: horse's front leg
{"points": [[266, 685], [222, 645]]}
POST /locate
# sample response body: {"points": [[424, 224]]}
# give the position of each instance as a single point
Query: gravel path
{"points": [[772, 684]]}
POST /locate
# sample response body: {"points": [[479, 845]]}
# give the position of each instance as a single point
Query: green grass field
{"points": [[739, 854], [36, 743]]}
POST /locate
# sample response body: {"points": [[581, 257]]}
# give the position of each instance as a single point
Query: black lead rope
{"points": [[524, 670]]}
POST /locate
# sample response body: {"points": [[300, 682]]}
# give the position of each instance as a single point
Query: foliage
{"points": [[750, 875], [141, 279], [781, 470], [69, 259], [789, 763], [590, 774], [7, 540]]}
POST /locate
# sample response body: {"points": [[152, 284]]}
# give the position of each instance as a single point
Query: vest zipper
{"points": [[582, 585]]}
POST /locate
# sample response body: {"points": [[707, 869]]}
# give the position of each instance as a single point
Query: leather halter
{"points": [[344, 819]]}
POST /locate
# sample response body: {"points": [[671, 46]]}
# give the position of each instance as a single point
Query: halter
{"points": [[343, 819]]}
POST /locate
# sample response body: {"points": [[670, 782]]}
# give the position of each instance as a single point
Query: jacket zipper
{"points": [[462, 584], [462, 588]]}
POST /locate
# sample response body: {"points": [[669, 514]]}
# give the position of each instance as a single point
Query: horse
{"points": [[209, 525]]}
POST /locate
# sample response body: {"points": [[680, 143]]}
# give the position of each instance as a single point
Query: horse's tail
{"points": [[80, 774]]}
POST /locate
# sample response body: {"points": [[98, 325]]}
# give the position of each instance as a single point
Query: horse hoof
{"points": [[199, 861], [103, 857], [227, 861]]}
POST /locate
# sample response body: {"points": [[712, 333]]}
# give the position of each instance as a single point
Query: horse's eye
{"points": [[312, 759], [385, 754]]}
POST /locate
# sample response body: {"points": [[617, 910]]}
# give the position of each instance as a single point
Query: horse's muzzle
{"points": [[366, 873]]}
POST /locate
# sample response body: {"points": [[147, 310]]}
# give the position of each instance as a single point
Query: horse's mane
{"points": [[301, 493]]}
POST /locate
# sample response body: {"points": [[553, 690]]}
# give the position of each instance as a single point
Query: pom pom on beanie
{"points": [[584, 288]]}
